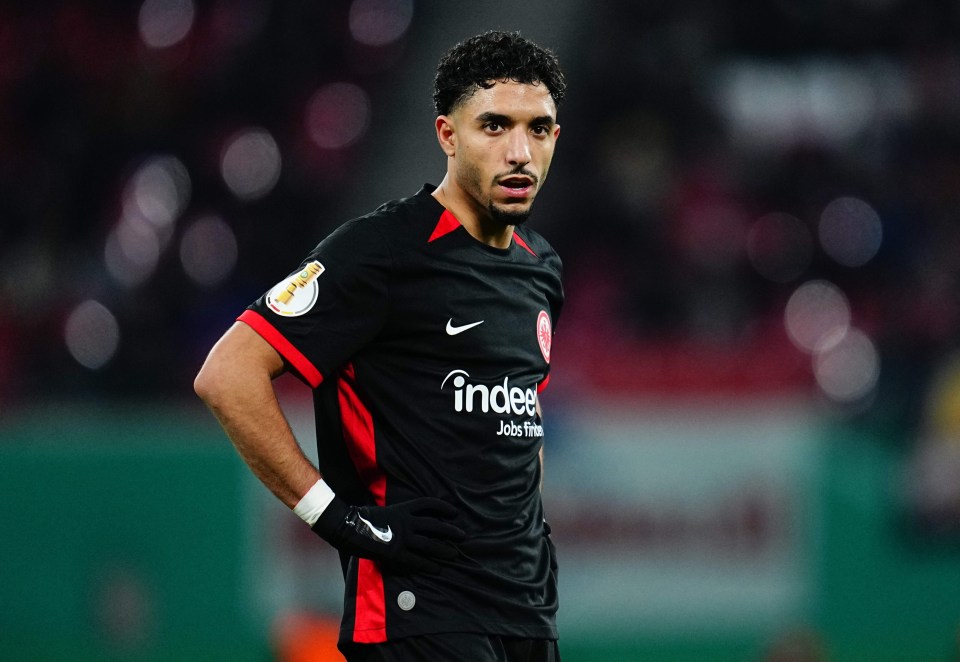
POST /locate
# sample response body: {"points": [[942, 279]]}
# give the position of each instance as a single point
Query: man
{"points": [[425, 331]]}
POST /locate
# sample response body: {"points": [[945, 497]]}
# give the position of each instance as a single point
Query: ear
{"points": [[556, 131], [446, 135]]}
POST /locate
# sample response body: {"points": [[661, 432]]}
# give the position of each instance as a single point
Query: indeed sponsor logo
{"points": [[501, 399]]}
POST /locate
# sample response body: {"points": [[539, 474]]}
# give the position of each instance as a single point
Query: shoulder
{"points": [[396, 223], [540, 247]]}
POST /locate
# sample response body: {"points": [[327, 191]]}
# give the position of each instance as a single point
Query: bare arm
{"points": [[236, 383]]}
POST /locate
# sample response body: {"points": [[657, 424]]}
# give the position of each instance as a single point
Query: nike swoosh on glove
{"points": [[413, 535]]}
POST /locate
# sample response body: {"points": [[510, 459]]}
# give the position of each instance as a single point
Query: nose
{"points": [[518, 148]]}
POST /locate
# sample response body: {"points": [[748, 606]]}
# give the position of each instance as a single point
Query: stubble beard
{"points": [[508, 216], [470, 181]]}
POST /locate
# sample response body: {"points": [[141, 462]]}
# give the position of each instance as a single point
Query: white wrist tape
{"points": [[314, 502]]}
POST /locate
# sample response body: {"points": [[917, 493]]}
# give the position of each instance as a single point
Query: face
{"points": [[500, 142]]}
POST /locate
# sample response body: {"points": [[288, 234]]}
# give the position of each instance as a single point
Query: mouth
{"points": [[517, 186]]}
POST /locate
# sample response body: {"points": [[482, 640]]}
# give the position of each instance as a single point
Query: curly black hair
{"points": [[491, 57]]}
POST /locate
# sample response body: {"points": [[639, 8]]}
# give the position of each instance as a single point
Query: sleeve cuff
{"points": [[294, 356]]}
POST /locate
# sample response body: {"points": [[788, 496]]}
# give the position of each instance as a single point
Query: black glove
{"points": [[411, 535]]}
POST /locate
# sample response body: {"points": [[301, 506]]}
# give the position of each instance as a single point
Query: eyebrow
{"points": [[499, 118]]}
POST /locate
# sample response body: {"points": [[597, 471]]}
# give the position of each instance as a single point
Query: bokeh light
{"points": [[816, 311], [337, 115], [779, 247], [250, 164], [92, 334], [379, 22], [850, 231], [208, 251], [823, 100], [158, 191], [153, 199], [846, 365], [164, 23], [132, 251]]}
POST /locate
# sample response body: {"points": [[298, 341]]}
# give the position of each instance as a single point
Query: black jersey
{"points": [[426, 349]]}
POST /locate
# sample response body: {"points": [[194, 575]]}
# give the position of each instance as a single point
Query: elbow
{"points": [[239, 361], [205, 384], [201, 385]]}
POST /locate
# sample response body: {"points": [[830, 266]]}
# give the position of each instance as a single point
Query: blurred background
{"points": [[753, 424]]}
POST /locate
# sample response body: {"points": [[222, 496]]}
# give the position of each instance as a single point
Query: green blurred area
{"points": [[122, 539]]}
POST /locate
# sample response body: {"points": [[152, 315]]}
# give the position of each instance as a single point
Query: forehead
{"points": [[512, 99]]}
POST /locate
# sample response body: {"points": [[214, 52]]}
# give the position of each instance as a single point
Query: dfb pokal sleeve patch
{"points": [[296, 294]]}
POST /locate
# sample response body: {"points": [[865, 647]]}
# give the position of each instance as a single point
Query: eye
{"points": [[493, 127], [541, 130]]}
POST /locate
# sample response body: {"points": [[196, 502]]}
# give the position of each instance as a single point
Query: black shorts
{"points": [[455, 647]]}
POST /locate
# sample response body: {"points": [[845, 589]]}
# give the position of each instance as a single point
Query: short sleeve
{"points": [[322, 313]]}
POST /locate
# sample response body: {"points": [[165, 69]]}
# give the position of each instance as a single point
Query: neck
{"points": [[473, 218]]}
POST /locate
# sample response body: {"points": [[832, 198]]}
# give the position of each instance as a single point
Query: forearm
{"points": [[255, 424], [239, 391]]}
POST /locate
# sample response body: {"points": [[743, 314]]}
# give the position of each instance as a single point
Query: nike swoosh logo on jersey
{"points": [[454, 330], [383, 535]]}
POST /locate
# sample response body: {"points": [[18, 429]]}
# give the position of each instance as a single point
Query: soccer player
{"points": [[425, 330]]}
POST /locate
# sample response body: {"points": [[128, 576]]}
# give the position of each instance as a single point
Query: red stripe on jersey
{"points": [[370, 619], [447, 224], [542, 385], [523, 244], [370, 624], [358, 431], [294, 356]]}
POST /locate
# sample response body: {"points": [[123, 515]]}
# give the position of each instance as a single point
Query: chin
{"points": [[510, 216]]}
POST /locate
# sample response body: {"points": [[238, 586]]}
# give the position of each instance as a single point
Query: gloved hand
{"points": [[412, 535]]}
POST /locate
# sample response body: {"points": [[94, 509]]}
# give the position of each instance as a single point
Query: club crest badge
{"points": [[296, 294], [544, 334]]}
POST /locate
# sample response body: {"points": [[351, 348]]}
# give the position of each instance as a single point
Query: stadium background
{"points": [[754, 421]]}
